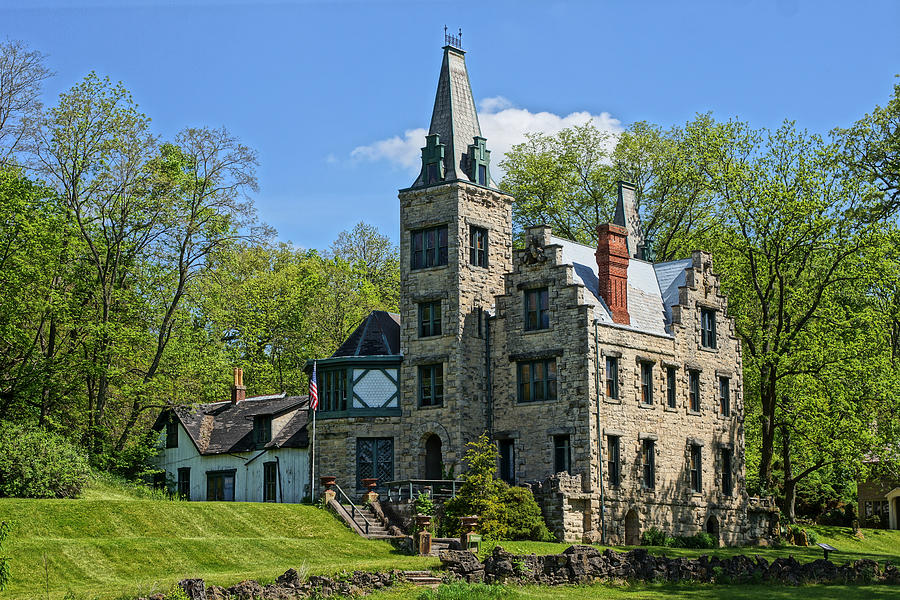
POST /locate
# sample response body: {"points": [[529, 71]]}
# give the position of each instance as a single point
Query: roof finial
{"points": [[453, 40]]}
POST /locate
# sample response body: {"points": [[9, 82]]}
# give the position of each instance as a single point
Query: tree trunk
{"points": [[790, 484], [767, 449]]}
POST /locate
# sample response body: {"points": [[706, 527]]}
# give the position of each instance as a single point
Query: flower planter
{"points": [[370, 483], [328, 481]]}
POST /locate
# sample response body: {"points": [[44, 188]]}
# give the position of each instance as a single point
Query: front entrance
{"points": [[632, 529], [433, 459]]}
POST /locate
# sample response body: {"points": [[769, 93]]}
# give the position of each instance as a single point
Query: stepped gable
{"points": [[377, 335], [223, 427]]}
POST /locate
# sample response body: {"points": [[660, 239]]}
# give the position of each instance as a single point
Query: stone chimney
{"points": [[238, 391], [612, 270]]}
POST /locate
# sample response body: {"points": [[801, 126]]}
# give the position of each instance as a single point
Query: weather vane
{"points": [[453, 40]]}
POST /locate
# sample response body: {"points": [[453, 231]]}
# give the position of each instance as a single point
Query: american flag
{"points": [[313, 390]]}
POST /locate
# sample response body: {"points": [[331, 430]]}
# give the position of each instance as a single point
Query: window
{"points": [[431, 385], [615, 464], [537, 380], [184, 483], [482, 174], [647, 383], [428, 247], [708, 328], [648, 461], [562, 454], [270, 481], [262, 430], [670, 387], [374, 458], [696, 468], [478, 244], [537, 315], [724, 397], [429, 318], [727, 481], [508, 461], [333, 387], [172, 434], [612, 377], [431, 172], [694, 389], [220, 486]]}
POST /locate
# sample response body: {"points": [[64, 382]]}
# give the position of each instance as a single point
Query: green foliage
{"points": [[654, 536], [469, 591], [35, 463], [424, 504], [505, 513]]}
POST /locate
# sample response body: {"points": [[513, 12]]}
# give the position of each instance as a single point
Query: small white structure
{"points": [[246, 450]]}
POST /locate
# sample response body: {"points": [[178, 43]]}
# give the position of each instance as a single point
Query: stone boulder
{"points": [[193, 588]]}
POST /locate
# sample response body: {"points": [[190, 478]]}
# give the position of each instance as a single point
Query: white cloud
{"points": [[502, 124]]}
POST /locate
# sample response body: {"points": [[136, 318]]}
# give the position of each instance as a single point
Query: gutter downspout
{"points": [[599, 435], [488, 393]]}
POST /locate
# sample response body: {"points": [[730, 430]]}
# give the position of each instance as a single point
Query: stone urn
{"points": [[423, 521], [370, 483], [328, 481], [468, 523]]}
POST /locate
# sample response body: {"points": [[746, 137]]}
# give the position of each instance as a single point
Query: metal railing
{"points": [[354, 510], [408, 489]]}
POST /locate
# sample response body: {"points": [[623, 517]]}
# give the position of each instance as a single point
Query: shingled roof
{"points": [[224, 427], [652, 287], [377, 335]]}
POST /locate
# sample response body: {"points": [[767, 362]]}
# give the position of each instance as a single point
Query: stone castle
{"points": [[611, 384]]}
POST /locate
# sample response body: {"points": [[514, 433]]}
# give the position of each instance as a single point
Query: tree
{"points": [[786, 246], [22, 72], [569, 181], [378, 258], [871, 149]]}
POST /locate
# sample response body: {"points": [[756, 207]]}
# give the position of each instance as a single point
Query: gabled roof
{"points": [[652, 287], [454, 117], [224, 427], [377, 335]]}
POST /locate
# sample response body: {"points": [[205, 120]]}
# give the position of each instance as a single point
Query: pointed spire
{"points": [[454, 134], [627, 216]]}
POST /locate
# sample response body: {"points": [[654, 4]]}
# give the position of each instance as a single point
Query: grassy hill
{"points": [[120, 541], [117, 542]]}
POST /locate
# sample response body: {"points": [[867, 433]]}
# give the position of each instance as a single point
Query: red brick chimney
{"points": [[612, 270], [238, 391]]}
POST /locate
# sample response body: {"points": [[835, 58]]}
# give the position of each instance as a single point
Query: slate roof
{"points": [[377, 335], [223, 427], [652, 287], [454, 117]]}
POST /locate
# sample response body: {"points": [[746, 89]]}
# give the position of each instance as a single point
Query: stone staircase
{"points": [[422, 578], [376, 531]]}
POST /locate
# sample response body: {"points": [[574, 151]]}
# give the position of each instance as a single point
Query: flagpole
{"points": [[314, 406], [312, 496]]}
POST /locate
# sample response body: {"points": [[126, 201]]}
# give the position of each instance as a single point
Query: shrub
{"points": [[35, 463], [424, 504], [506, 513], [653, 537], [811, 536]]}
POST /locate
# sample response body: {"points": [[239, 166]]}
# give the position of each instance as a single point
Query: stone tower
{"points": [[455, 246]]}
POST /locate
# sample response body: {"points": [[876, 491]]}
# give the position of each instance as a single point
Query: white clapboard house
{"points": [[244, 449]]}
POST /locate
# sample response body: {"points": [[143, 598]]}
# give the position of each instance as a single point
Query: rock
{"points": [[289, 578], [215, 592], [463, 564], [801, 539], [245, 590], [194, 588], [592, 537]]}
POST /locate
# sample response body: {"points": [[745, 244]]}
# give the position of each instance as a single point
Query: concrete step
{"points": [[422, 578]]}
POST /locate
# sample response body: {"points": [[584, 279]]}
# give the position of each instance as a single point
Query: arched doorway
{"points": [[433, 458], [632, 529], [712, 526]]}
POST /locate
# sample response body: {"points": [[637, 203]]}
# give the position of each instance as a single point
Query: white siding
{"points": [[292, 466]]}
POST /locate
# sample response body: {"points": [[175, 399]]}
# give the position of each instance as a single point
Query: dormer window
{"points": [[482, 174], [262, 430], [433, 159], [478, 159], [171, 434]]}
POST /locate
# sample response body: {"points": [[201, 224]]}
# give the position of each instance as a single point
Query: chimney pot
{"points": [[238, 391], [612, 270]]}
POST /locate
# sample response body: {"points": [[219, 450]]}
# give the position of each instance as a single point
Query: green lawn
{"points": [[119, 542], [877, 544], [670, 592], [110, 544]]}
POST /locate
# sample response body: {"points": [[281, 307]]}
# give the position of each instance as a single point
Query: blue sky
{"points": [[331, 93]]}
